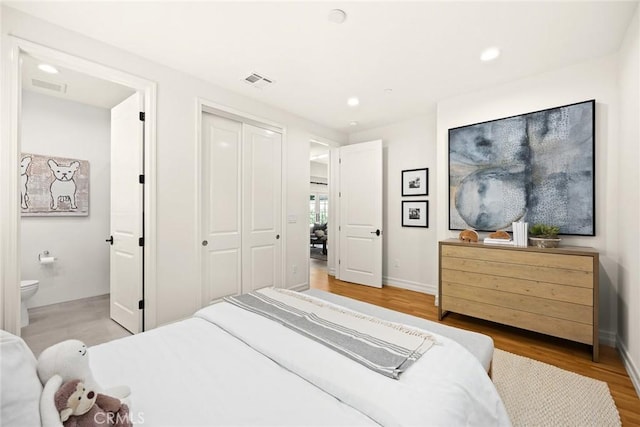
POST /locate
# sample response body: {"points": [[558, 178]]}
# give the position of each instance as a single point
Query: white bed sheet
{"points": [[447, 386], [192, 373]]}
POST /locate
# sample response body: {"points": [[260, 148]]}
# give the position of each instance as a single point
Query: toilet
{"points": [[28, 288]]}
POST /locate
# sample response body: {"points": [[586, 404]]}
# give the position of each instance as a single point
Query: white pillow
{"points": [[20, 387]]}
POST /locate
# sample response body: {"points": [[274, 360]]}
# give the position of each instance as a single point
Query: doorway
{"points": [[77, 152], [319, 204], [64, 205], [355, 206]]}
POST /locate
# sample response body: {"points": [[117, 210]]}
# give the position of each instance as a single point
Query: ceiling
{"points": [[422, 51], [74, 86]]}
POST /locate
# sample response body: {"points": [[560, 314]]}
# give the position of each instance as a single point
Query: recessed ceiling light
{"points": [[353, 123], [48, 68], [337, 16], [489, 54], [388, 90], [353, 101]]}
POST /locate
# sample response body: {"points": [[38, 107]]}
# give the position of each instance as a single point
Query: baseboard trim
{"points": [[408, 284], [301, 287], [332, 272], [607, 338], [630, 366]]}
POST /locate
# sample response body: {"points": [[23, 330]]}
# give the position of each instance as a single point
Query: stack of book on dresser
{"points": [[520, 234], [498, 241]]}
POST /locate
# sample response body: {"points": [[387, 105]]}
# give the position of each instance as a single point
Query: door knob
{"points": [[205, 243], [377, 232], [110, 240], [277, 236]]}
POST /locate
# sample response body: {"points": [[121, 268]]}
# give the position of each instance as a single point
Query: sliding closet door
{"points": [[262, 208], [221, 205]]}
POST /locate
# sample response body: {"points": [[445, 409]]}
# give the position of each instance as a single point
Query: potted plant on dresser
{"points": [[544, 236]]}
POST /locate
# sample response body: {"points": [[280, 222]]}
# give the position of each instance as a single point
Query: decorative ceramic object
{"points": [[468, 236], [500, 234], [541, 242]]}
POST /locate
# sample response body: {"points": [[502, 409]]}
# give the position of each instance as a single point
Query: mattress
{"points": [[481, 346], [228, 366]]}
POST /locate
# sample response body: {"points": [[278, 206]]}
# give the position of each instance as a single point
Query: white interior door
{"points": [[360, 195], [127, 133], [221, 207], [262, 208]]}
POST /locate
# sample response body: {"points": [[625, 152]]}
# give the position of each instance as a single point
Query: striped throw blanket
{"points": [[384, 347]]}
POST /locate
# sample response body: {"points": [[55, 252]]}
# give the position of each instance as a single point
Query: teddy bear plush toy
{"points": [[62, 362], [70, 360], [80, 406]]}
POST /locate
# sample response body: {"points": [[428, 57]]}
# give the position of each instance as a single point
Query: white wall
{"points": [[178, 287], [409, 254], [629, 194], [596, 79], [319, 170], [319, 173], [61, 128]]}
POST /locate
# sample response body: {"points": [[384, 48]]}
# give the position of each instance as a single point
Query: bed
{"points": [[230, 366]]}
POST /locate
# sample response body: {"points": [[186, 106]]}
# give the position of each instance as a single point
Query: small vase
{"points": [[541, 242]]}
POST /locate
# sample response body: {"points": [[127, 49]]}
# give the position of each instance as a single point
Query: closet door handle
{"points": [[377, 232], [109, 240], [277, 236]]}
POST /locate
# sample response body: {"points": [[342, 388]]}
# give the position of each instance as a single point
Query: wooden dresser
{"points": [[551, 291]]}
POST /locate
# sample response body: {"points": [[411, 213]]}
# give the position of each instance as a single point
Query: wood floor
{"points": [[564, 354], [86, 320]]}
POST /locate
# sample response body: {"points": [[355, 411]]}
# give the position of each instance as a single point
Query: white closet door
{"points": [[361, 213], [262, 208], [222, 220], [126, 213]]}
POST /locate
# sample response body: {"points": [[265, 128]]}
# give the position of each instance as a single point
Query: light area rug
{"points": [[538, 394]]}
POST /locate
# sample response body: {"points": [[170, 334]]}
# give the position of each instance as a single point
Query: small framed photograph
{"points": [[415, 213], [415, 182]]}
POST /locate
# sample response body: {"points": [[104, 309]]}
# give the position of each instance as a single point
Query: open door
{"points": [[360, 196], [127, 194]]}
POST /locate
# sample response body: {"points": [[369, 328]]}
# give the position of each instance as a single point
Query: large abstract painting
{"points": [[53, 186], [537, 167]]}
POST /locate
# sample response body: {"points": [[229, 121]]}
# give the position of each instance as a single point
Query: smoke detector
{"points": [[337, 16], [258, 81]]}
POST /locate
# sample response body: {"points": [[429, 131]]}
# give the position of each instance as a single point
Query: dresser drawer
{"points": [[573, 331], [531, 271], [538, 288], [508, 256]]}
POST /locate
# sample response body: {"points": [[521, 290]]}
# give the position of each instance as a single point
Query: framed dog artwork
{"points": [[53, 186]]}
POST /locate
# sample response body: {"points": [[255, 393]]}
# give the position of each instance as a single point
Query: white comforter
{"points": [[227, 366], [447, 386], [192, 373]]}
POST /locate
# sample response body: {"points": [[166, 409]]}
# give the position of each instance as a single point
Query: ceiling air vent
{"points": [[258, 81], [57, 87]]}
